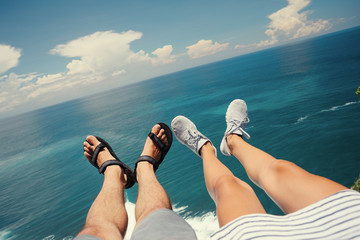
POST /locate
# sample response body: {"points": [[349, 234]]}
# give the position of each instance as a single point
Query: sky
{"points": [[55, 51]]}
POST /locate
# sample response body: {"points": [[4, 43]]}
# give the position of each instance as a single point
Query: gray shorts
{"points": [[160, 224]]}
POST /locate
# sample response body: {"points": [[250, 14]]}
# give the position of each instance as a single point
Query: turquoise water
{"points": [[302, 107]]}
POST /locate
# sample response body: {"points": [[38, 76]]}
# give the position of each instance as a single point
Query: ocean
{"points": [[302, 107]]}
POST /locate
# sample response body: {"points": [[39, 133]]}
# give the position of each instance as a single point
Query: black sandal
{"points": [[162, 147], [127, 170]]}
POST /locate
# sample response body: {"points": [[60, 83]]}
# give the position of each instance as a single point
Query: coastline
{"points": [[356, 185]]}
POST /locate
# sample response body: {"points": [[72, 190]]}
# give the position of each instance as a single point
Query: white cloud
{"points": [[290, 23], [204, 48], [118, 72], [108, 52], [101, 52], [293, 23], [78, 67], [9, 57], [50, 78], [96, 57], [11, 85], [163, 55], [57, 85]]}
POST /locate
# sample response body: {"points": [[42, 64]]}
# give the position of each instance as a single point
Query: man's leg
{"points": [[155, 219], [151, 195], [291, 187], [107, 217], [233, 197]]}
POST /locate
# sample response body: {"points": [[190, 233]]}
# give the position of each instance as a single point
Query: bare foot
{"points": [[103, 156], [150, 149], [89, 148]]}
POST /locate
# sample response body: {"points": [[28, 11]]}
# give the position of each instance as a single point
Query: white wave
{"points": [[6, 235], [203, 225], [52, 237], [130, 208], [302, 119], [335, 108]]}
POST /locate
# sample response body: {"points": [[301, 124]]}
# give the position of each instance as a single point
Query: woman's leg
{"points": [[233, 197], [291, 187]]}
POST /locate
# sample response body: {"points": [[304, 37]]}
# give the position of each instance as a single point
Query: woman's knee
{"points": [[280, 166], [226, 185], [277, 171]]}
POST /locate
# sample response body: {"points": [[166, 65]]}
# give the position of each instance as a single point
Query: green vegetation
{"points": [[356, 185]]}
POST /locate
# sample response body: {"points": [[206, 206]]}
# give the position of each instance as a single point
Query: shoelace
{"points": [[235, 124], [194, 138], [241, 123]]}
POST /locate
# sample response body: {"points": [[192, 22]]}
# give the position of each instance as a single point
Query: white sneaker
{"points": [[236, 120], [186, 132]]}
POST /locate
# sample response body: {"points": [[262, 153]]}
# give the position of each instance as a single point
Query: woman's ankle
{"points": [[206, 149]]}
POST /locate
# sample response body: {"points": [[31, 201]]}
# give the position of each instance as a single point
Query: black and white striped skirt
{"points": [[335, 217]]}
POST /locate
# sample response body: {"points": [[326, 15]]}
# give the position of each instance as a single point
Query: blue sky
{"points": [[53, 51]]}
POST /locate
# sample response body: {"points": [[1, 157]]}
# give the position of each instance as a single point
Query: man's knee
{"points": [[102, 231], [91, 231]]}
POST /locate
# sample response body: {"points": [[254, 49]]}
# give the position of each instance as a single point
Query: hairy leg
{"points": [[107, 217], [151, 195], [290, 187], [233, 197]]}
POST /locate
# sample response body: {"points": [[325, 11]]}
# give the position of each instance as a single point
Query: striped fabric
{"points": [[335, 217]]}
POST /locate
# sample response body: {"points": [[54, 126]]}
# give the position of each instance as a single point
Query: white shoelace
{"points": [[193, 139], [236, 124]]}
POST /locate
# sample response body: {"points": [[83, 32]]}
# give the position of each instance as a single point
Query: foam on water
{"points": [[335, 108], [6, 235], [332, 109], [204, 225], [302, 119], [53, 237]]}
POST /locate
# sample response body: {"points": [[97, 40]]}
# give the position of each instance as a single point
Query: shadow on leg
{"points": [[107, 217], [151, 195], [289, 186], [292, 188], [233, 197]]}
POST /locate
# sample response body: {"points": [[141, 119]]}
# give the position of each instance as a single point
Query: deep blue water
{"points": [[302, 106]]}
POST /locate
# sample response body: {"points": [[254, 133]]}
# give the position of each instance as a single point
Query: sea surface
{"points": [[302, 107]]}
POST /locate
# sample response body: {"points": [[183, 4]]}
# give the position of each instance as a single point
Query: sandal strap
{"points": [[96, 153], [160, 145], [108, 163], [130, 175], [147, 159], [158, 142], [116, 161]]}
